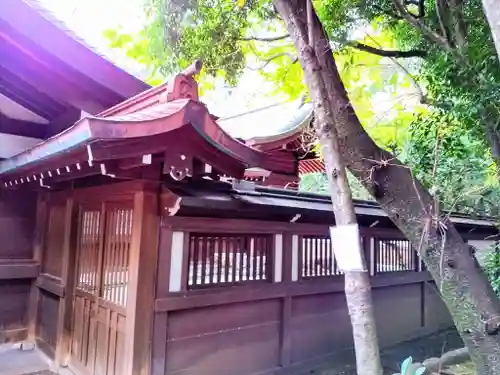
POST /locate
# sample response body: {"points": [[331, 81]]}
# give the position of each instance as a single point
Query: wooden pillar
{"points": [[286, 307], [67, 280], [369, 251], [296, 259], [278, 258], [178, 258], [41, 220], [287, 257], [142, 275]]}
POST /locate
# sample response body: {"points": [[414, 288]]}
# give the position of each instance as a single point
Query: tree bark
{"points": [[357, 283], [464, 287], [492, 11]]}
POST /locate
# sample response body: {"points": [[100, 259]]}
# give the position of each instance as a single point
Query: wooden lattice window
{"points": [[219, 259], [317, 259], [116, 255], [89, 250], [103, 257], [394, 256]]}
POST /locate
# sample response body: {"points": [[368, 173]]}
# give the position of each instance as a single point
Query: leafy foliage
{"points": [[458, 79], [453, 163], [406, 368], [449, 146], [492, 267], [318, 183]]}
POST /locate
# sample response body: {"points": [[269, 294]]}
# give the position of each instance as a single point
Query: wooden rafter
{"points": [[39, 27], [22, 128]]}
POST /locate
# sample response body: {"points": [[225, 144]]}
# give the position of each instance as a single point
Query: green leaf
{"points": [[404, 366]]}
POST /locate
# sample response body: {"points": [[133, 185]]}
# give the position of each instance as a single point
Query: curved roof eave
{"points": [[141, 129]]}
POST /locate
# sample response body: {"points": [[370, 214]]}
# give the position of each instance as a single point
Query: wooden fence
{"points": [[91, 286], [267, 298]]}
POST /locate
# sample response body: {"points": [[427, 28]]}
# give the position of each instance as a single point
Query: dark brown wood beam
{"points": [[19, 269], [27, 95], [45, 40], [65, 120], [52, 84], [50, 284], [22, 128]]}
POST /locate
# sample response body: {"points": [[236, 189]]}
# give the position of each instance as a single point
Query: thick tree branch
{"points": [[457, 10], [267, 61], [265, 38], [389, 53], [428, 32], [442, 12]]}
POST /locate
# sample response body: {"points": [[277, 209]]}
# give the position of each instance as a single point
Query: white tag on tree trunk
{"points": [[346, 245]]}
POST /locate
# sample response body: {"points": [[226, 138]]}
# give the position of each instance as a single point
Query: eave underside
{"points": [[52, 75]]}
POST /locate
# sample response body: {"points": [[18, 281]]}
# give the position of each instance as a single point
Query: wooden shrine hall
{"points": [[138, 237], [153, 255]]}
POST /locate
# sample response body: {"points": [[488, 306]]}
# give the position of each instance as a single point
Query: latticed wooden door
{"points": [[99, 314]]}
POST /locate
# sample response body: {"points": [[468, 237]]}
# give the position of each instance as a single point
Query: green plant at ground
{"points": [[408, 369]]}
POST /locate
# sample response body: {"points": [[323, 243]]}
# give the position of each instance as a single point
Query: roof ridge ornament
{"points": [[183, 85]]}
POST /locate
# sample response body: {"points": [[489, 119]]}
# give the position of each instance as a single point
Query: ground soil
{"points": [[419, 349]]}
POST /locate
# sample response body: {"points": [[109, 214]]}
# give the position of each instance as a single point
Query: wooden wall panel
{"points": [[17, 230], [314, 327], [13, 306], [436, 313], [319, 326], [54, 241], [231, 339], [224, 317], [48, 310], [17, 224], [406, 323]]}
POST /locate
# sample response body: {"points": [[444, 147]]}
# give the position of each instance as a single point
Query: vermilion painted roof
{"points": [[308, 166]]}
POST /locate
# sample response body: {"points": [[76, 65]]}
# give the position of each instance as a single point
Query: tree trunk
{"points": [[492, 11], [357, 282], [464, 287]]}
